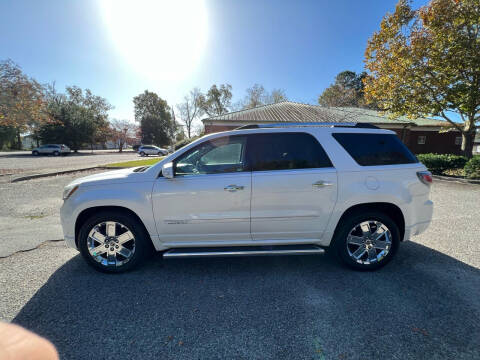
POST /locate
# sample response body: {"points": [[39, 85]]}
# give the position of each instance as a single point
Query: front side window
{"points": [[286, 151], [221, 155], [375, 149]]}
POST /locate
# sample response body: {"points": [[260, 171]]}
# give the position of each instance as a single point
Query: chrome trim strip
{"points": [[200, 254]]}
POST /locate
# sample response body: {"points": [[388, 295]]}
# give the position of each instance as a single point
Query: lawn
{"points": [[135, 163]]}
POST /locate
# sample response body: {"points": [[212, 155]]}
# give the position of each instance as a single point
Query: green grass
{"points": [[135, 163]]}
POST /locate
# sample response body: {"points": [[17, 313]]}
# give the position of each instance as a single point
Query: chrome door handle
{"points": [[233, 188], [322, 183]]}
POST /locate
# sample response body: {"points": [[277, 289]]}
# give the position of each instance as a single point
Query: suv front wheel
{"points": [[113, 242], [366, 241]]}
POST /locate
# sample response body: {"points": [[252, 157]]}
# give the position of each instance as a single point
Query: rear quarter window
{"points": [[375, 149]]}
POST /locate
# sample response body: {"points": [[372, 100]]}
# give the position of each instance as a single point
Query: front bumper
{"points": [[68, 224]]}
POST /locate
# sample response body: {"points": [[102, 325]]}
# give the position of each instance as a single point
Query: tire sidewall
{"points": [[35, 153], [340, 240], [142, 247]]}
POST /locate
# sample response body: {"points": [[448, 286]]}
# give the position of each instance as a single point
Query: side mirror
{"points": [[167, 170]]}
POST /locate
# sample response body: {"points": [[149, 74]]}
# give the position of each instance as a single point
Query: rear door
{"points": [[294, 186]]}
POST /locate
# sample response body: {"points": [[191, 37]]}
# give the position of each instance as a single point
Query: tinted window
{"points": [[286, 151], [221, 155], [375, 149]]}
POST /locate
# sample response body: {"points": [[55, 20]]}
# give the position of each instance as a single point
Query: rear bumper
{"points": [[423, 215]]}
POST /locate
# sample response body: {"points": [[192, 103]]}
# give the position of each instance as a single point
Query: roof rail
{"points": [[307, 124]]}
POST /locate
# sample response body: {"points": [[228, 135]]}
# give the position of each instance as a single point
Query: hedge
{"points": [[438, 163], [472, 168]]}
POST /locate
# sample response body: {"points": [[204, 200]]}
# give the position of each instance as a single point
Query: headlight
{"points": [[69, 190]]}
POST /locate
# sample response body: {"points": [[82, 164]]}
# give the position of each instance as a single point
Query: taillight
{"points": [[425, 177]]}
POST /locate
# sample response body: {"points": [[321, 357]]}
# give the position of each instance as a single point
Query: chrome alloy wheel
{"points": [[369, 242], [111, 243]]}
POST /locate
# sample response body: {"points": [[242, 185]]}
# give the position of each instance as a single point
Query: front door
{"points": [[208, 200], [294, 187]]}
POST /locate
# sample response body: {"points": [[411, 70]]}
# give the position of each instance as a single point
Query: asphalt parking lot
{"points": [[425, 304]]}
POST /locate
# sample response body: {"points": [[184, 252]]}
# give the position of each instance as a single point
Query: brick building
{"points": [[420, 135]]}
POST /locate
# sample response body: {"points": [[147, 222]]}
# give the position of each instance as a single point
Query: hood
{"points": [[111, 177]]}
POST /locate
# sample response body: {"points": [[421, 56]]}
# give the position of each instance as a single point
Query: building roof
{"points": [[288, 111]]}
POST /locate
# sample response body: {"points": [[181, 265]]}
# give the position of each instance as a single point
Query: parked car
{"points": [[52, 149], [262, 190], [146, 150]]}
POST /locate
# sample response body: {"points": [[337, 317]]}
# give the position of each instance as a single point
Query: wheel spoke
{"points": [[365, 226], [98, 237], [357, 254], [372, 254], [381, 245], [111, 258], [378, 233], [110, 228], [124, 252], [355, 240], [99, 250], [126, 236]]}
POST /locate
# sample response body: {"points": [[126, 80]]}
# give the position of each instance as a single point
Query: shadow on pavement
{"points": [[423, 305]]}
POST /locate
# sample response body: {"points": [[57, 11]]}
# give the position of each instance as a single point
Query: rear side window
{"points": [[375, 149], [286, 151]]}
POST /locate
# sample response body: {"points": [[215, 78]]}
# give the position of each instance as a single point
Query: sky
{"points": [[119, 48]]}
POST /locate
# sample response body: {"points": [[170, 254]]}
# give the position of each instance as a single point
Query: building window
{"points": [[458, 140], [421, 140]]}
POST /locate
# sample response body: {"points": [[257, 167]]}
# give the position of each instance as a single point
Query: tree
{"points": [[217, 101], [346, 91], [276, 96], [154, 115], [258, 96], [77, 117], [122, 131], [426, 62], [190, 109], [22, 101]]}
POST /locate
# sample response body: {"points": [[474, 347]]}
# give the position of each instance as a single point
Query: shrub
{"points": [[472, 168], [438, 163]]}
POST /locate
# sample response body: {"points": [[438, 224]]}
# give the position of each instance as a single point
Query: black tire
{"points": [[160, 153], [341, 248], [143, 246], [35, 153], [56, 153], [142, 153]]}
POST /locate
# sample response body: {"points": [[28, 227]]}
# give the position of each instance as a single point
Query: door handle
{"points": [[233, 188], [322, 183]]}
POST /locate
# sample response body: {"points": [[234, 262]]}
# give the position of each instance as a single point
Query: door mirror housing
{"points": [[167, 170]]}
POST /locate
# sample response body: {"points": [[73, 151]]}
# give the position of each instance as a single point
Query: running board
{"points": [[243, 251]]}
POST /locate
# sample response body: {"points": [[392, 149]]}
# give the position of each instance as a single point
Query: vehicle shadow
{"points": [[423, 305]]}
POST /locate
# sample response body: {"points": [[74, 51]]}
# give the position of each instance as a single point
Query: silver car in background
{"points": [[51, 149], [146, 150]]}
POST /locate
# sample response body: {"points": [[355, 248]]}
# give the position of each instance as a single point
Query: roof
{"points": [[288, 111]]}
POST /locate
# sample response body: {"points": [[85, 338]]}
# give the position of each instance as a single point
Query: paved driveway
{"points": [[25, 163], [424, 305]]}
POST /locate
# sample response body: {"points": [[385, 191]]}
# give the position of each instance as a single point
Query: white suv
{"points": [[259, 190]]}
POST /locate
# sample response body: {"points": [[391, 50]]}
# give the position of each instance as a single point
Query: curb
{"points": [[455, 179], [36, 176]]}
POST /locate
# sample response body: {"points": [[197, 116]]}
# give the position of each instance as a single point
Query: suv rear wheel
{"points": [[113, 242], [366, 241]]}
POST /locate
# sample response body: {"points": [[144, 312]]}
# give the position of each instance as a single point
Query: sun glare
{"points": [[163, 40]]}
